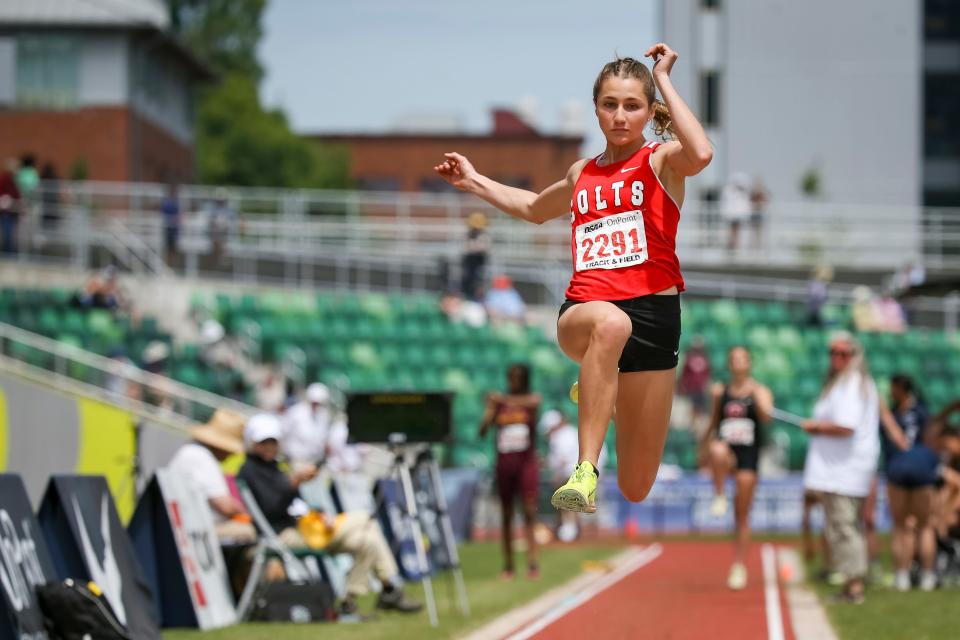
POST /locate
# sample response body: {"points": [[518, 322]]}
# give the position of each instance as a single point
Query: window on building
{"points": [[378, 183], [710, 4], [48, 71], [436, 185], [941, 138], [520, 182], [941, 20], [710, 98]]}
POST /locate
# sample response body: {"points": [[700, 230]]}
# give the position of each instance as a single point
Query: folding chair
{"points": [[302, 567]]}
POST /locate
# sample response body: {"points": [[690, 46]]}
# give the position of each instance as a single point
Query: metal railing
{"points": [[150, 395], [397, 241]]}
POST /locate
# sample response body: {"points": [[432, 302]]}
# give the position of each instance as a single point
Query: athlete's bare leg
{"points": [[594, 334], [722, 463], [746, 483], [902, 543], [921, 505], [644, 401]]}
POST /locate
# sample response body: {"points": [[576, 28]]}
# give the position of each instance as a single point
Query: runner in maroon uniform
{"points": [[514, 416]]}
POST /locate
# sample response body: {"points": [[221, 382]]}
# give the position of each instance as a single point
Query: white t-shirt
{"points": [[306, 433], [845, 466], [199, 466], [564, 450]]}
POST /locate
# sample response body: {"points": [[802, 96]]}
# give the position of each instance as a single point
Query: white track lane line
{"points": [[771, 593], [644, 557]]}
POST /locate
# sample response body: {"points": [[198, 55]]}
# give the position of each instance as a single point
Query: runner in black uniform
{"points": [[740, 408]]}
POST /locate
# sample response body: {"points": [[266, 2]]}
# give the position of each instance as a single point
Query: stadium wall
{"points": [[44, 432]]}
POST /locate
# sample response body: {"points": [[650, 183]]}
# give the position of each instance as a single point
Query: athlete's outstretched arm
{"points": [[692, 151], [552, 202]]}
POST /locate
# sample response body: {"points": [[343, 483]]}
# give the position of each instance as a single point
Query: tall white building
{"points": [[790, 89]]}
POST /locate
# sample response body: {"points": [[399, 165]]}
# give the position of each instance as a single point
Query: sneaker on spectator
{"points": [[928, 581], [901, 580]]}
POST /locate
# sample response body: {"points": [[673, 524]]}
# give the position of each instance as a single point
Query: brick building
{"points": [[513, 152], [97, 85]]}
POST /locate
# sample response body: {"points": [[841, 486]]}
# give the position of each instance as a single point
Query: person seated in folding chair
{"points": [[199, 462], [357, 534]]}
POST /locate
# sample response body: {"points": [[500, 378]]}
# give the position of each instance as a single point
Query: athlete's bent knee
{"points": [[612, 329], [635, 490]]}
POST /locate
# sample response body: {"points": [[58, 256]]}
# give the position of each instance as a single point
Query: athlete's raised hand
{"points": [[663, 58], [456, 170]]}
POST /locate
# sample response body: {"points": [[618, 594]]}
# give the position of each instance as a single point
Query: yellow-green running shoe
{"points": [[575, 392], [580, 492]]}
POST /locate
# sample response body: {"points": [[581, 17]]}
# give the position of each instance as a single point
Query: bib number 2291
{"points": [[612, 242]]}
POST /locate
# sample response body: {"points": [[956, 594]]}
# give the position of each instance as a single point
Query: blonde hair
{"points": [[856, 365], [632, 68]]}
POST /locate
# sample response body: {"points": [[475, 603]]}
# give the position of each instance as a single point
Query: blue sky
{"points": [[367, 64]]}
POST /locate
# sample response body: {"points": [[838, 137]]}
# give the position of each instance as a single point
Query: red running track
{"points": [[681, 594]]}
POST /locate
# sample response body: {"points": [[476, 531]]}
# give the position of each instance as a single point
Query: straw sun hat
{"points": [[223, 431]]}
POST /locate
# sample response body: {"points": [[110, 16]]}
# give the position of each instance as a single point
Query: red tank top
{"points": [[624, 231]]}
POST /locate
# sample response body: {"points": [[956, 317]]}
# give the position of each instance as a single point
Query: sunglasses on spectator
{"points": [[843, 353]]}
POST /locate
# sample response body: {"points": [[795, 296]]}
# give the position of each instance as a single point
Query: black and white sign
{"points": [[173, 535], [24, 563], [87, 541]]}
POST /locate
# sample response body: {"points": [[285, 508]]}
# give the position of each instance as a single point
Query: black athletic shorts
{"points": [[748, 456], [655, 342]]}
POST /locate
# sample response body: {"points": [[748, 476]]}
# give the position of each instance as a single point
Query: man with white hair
{"points": [[315, 433]]}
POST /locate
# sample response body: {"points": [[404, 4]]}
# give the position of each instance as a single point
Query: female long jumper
{"points": [[621, 319]]}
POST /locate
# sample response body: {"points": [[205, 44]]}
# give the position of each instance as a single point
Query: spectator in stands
{"points": [[307, 425], [9, 208], [271, 392], [891, 316], [466, 311], [475, 256], [735, 206], [170, 210], [50, 197], [316, 433], [220, 222], [695, 379], [27, 177], [118, 381], [865, 313], [357, 534], [199, 462], [102, 291], [503, 302], [759, 198], [817, 294], [842, 457], [156, 357]]}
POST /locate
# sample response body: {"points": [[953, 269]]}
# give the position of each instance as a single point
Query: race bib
{"points": [[513, 438], [613, 242], [737, 431]]}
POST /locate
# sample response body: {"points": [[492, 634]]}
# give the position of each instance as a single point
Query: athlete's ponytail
{"points": [[662, 122], [632, 68]]}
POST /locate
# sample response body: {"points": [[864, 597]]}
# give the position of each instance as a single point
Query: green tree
{"points": [[239, 142], [244, 144], [224, 33]]}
